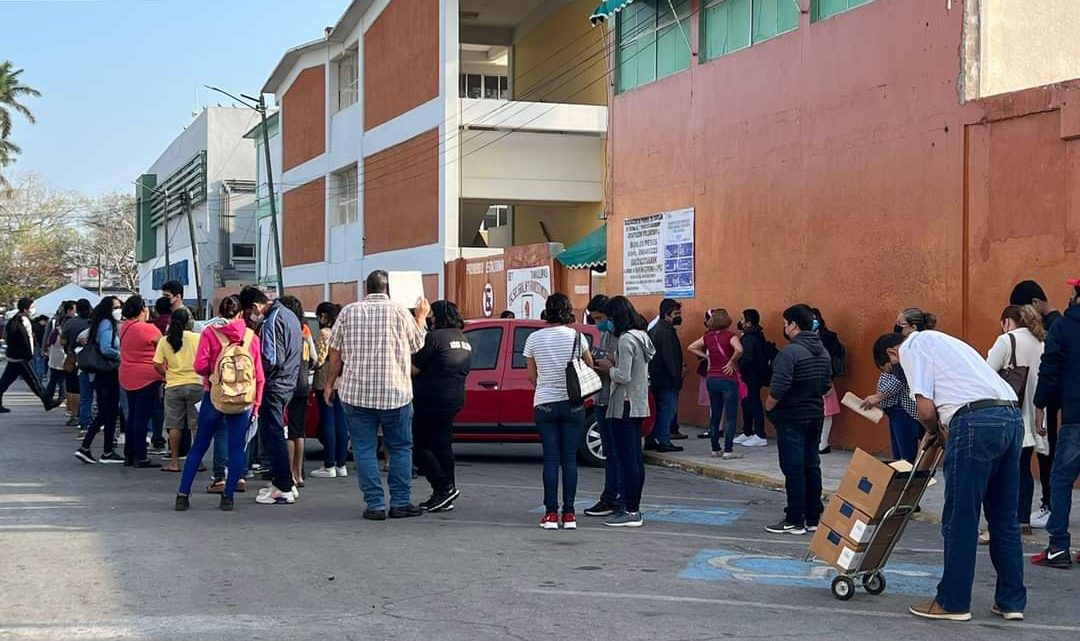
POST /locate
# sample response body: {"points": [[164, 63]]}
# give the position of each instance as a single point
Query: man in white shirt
{"points": [[956, 390]]}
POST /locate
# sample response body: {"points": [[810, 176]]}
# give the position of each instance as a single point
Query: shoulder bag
{"points": [[91, 359], [582, 381], [1015, 375]]}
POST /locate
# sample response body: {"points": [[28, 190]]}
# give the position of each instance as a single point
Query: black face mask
{"points": [[739, 325], [676, 321], [897, 329]]}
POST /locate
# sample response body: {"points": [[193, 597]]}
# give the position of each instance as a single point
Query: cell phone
{"points": [[598, 354]]}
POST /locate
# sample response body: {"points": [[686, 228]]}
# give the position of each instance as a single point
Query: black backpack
{"points": [[837, 353], [769, 352]]}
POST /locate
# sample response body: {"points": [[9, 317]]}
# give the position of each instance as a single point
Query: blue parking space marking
{"points": [[732, 565], [684, 514]]}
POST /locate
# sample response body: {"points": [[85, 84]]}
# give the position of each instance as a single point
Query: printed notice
{"points": [[658, 254]]}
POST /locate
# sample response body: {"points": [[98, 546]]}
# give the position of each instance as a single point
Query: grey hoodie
{"points": [[630, 376], [802, 373]]}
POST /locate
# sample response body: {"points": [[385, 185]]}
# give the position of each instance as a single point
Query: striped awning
{"points": [[590, 251], [607, 10]]}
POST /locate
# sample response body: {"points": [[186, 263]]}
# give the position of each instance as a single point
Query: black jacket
{"points": [[802, 373], [666, 368], [1059, 372], [753, 364], [20, 340]]}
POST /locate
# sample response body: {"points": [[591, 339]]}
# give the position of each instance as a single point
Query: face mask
{"points": [[256, 319], [816, 326], [740, 326], [606, 326], [117, 315], [676, 321], [897, 329], [786, 334], [33, 311]]}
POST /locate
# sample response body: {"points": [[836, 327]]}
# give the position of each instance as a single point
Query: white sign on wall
{"points": [[527, 290], [658, 254]]}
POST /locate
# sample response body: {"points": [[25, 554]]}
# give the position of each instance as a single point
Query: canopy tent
{"points": [[48, 303], [589, 252], [607, 10]]}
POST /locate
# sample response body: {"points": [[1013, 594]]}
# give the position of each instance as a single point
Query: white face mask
{"points": [[33, 311], [117, 315]]}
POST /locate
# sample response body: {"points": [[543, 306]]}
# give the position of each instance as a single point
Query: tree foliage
{"points": [[12, 93], [109, 238], [40, 242]]}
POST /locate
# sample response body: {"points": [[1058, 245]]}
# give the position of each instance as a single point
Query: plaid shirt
{"points": [[376, 339], [895, 392]]}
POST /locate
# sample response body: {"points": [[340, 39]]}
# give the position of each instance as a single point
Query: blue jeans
{"points": [[626, 437], [613, 489], [209, 420], [141, 406], [667, 406], [334, 431], [1062, 477], [903, 433], [397, 431], [723, 401], [221, 450], [560, 426], [982, 470], [797, 447], [86, 400]]}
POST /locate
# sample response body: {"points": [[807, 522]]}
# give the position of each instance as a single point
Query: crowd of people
{"points": [[386, 378]]}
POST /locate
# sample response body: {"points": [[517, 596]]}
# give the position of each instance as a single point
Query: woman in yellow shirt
{"points": [[175, 360]]}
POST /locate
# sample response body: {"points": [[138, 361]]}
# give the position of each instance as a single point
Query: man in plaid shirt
{"points": [[371, 350]]}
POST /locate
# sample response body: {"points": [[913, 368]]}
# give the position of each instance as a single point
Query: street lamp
{"points": [[260, 106]]}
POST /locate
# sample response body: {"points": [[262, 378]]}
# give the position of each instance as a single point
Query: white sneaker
{"points": [[295, 492], [755, 441], [275, 497], [741, 439], [342, 472], [1039, 519], [325, 473], [266, 490]]}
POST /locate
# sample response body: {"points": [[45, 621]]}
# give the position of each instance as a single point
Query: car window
{"points": [[485, 344], [521, 334]]}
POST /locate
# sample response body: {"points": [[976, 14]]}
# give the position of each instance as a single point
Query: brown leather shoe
{"points": [[931, 610]]}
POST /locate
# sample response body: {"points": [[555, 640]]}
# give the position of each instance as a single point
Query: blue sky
{"points": [[118, 77]]}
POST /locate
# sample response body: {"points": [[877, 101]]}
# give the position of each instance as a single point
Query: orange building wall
{"points": [[343, 293], [401, 60], [303, 113], [834, 165], [401, 195], [310, 295], [303, 224]]}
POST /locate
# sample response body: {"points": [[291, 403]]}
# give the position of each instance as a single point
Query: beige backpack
{"points": [[232, 383]]}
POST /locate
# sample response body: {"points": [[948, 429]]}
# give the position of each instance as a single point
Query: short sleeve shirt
{"points": [[552, 348], [179, 366]]}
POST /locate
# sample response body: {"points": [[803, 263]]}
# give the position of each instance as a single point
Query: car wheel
{"points": [[591, 450]]}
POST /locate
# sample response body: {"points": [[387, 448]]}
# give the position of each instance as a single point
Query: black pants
{"points": [[433, 435], [24, 370], [752, 410], [272, 435], [797, 446], [107, 390], [626, 443], [141, 407], [56, 384], [1046, 461]]}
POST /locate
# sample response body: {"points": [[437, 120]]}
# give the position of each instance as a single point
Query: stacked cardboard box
{"points": [[859, 523]]}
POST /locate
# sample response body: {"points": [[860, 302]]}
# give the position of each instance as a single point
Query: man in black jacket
{"points": [[802, 372], [20, 355], [1059, 385], [754, 368], [666, 375]]}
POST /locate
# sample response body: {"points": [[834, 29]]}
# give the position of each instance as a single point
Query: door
{"points": [[516, 409], [480, 413]]}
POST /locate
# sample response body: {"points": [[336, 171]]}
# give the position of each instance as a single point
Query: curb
{"points": [[747, 478]]}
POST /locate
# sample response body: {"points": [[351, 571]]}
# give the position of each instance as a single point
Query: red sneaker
{"points": [[550, 521], [569, 521]]}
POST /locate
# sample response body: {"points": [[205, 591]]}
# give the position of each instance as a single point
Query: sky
{"points": [[120, 78]]}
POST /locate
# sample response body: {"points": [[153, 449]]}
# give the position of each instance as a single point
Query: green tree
{"points": [[12, 92], [41, 244]]}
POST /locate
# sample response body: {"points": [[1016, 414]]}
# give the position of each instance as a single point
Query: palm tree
{"points": [[11, 91]]}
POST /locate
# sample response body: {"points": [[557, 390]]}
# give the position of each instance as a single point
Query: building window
{"points": [[474, 85], [822, 9], [650, 42], [731, 25], [243, 251], [348, 78], [344, 186]]}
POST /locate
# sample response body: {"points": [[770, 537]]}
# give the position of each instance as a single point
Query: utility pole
{"points": [[186, 199], [270, 190], [99, 288], [167, 263]]}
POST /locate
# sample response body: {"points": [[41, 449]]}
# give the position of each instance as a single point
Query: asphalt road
{"points": [[96, 552]]}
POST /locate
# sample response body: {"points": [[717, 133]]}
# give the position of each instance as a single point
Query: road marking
{"points": [[815, 610], [654, 496], [67, 506]]}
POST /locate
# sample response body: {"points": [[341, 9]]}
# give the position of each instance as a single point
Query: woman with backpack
{"points": [[175, 360], [228, 356], [838, 360], [103, 336]]}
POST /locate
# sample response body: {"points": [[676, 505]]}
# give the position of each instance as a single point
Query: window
{"points": [[474, 85], [496, 216], [485, 344], [521, 334], [243, 250], [731, 25], [348, 78], [650, 43], [345, 187], [821, 9]]}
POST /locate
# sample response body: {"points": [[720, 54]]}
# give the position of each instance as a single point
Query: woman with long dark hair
{"points": [[439, 371], [560, 420], [629, 403], [175, 360], [139, 378], [106, 385], [332, 425]]}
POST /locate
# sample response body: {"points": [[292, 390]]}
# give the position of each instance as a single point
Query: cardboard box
{"points": [[868, 484], [849, 521], [831, 547]]}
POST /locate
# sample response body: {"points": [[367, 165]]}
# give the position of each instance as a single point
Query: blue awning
{"points": [[607, 10]]}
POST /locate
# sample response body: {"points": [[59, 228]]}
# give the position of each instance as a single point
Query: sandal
{"points": [[216, 487], [241, 486], [170, 469], [984, 538]]}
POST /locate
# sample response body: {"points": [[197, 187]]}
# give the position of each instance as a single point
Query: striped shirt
{"points": [[376, 339], [552, 348]]}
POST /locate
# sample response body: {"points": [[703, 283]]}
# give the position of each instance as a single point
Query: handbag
{"points": [[1015, 375], [71, 364], [91, 360], [582, 381]]}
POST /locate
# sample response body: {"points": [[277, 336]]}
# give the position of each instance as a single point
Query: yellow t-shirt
{"points": [[180, 366]]}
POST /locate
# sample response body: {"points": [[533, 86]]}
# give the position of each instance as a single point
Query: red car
{"points": [[498, 394]]}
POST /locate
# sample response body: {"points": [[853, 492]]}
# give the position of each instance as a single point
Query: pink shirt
{"points": [[138, 343], [210, 348]]}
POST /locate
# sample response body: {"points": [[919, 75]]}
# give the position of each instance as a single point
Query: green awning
{"points": [[590, 251], [607, 10]]}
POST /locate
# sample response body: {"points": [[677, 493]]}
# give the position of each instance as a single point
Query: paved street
{"points": [[96, 552]]}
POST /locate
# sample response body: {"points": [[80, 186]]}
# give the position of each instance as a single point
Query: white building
{"points": [[211, 165]]}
